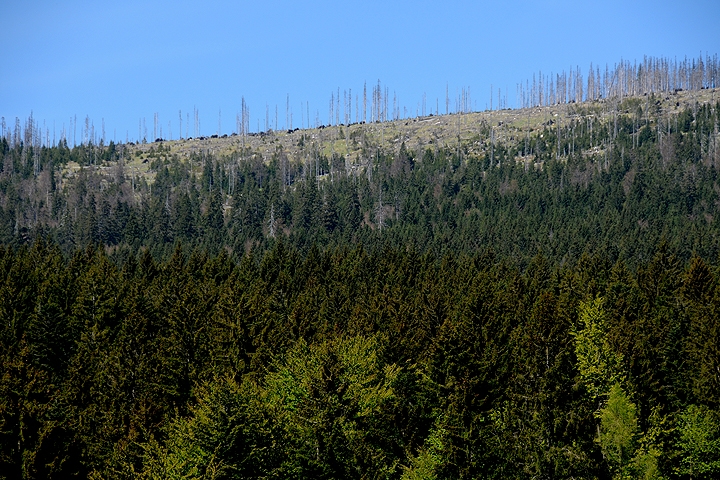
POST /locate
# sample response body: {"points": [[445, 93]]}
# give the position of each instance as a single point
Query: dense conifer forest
{"points": [[530, 293]]}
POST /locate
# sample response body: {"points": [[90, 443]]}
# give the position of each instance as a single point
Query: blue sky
{"points": [[120, 62]]}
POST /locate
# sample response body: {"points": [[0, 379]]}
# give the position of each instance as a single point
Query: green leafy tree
{"points": [[599, 365], [317, 414], [231, 432], [699, 442], [333, 397], [618, 432]]}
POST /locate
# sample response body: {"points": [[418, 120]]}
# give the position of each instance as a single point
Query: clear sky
{"points": [[120, 62]]}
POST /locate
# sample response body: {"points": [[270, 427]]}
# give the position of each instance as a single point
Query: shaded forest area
{"points": [[543, 305], [346, 364]]}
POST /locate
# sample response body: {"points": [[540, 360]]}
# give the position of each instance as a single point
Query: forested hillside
{"points": [[502, 294]]}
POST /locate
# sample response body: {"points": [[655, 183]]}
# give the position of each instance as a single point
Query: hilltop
{"points": [[638, 165], [474, 134]]}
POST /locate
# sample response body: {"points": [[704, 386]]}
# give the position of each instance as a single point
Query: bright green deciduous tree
{"points": [[699, 442], [618, 431], [333, 396], [227, 435], [425, 465], [319, 413], [628, 452], [600, 366]]}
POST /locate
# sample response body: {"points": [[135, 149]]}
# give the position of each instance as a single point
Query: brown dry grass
{"points": [[359, 141]]}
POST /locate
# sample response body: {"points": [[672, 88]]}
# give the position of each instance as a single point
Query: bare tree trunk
{"points": [[447, 99], [364, 115]]}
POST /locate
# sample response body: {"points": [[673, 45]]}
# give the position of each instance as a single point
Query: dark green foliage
{"points": [[617, 189], [430, 317], [115, 371]]}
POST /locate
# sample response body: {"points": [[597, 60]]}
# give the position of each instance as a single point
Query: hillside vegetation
{"points": [[612, 176], [502, 294]]}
